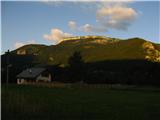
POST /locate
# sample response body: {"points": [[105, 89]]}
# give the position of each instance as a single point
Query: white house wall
{"points": [[21, 81], [45, 79], [39, 78]]}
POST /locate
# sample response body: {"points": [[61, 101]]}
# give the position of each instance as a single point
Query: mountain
{"points": [[93, 49], [29, 49]]}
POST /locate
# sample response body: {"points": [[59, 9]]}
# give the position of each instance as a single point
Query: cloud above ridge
{"points": [[56, 35], [109, 15], [117, 17], [72, 25]]}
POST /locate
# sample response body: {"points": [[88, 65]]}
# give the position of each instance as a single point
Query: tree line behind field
{"points": [[130, 72]]}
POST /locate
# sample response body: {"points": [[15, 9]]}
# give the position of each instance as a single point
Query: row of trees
{"points": [[140, 72]]}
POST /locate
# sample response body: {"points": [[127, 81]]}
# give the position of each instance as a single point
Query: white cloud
{"points": [[110, 14], [87, 28], [72, 25], [56, 35], [20, 44], [91, 28], [117, 17], [52, 2]]}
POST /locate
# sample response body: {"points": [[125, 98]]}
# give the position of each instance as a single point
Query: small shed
{"points": [[33, 75]]}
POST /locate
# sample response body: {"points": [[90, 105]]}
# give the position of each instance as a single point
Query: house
{"points": [[34, 75]]}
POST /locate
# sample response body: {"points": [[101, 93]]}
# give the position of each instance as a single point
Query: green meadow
{"points": [[31, 102]]}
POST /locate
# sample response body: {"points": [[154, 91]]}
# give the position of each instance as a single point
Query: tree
{"points": [[76, 67]]}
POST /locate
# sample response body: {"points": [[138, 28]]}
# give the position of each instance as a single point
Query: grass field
{"points": [[78, 103]]}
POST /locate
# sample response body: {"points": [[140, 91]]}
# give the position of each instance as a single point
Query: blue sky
{"points": [[47, 22]]}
